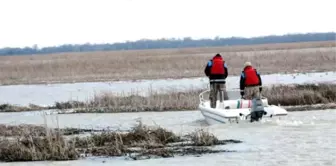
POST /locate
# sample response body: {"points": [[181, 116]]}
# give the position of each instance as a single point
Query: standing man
{"points": [[250, 82], [216, 70]]}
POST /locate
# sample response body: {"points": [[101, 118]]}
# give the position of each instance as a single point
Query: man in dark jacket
{"points": [[216, 70], [250, 82]]}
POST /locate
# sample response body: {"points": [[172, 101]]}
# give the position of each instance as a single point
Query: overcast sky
{"points": [[55, 22]]}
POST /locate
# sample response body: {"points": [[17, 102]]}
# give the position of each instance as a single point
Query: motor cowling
{"points": [[257, 110]]}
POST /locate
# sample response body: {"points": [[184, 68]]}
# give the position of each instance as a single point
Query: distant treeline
{"points": [[171, 43]]}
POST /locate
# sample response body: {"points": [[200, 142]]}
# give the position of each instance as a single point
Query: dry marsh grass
{"points": [[163, 63], [203, 138], [308, 94], [174, 100], [38, 130], [30, 147], [140, 142], [14, 108], [147, 141], [285, 95], [300, 97]]}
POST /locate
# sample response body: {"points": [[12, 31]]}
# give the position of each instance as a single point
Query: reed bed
{"points": [[32, 147], [308, 94], [173, 100], [37, 130], [285, 95], [140, 142], [163, 63], [15, 108], [295, 97]]}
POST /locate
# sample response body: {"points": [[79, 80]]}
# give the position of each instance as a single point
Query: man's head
{"points": [[218, 55], [247, 64]]}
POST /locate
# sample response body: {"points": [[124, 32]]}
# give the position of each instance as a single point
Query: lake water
{"points": [[49, 94], [302, 138]]}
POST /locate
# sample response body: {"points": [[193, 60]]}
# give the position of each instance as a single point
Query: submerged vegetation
{"points": [[139, 143], [303, 97]]}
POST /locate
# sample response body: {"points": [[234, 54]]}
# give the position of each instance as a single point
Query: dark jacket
{"points": [[219, 78]]}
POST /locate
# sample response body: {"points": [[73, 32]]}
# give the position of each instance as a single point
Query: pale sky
{"points": [[56, 22]]}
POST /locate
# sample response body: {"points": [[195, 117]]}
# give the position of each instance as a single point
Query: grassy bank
{"points": [[163, 63], [37, 130], [306, 94], [108, 102], [141, 142], [294, 97], [15, 108], [304, 97]]}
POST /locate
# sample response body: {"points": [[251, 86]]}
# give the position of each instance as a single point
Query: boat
{"points": [[235, 109]]}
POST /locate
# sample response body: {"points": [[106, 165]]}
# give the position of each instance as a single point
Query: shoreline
{"points": [[295, 97], [47, 95], [145, 79]]}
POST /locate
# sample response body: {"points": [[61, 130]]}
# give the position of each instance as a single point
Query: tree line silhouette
{"points": [[170, 43]]}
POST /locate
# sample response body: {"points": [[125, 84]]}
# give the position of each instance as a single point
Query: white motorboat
{"points": [[235, 108]]}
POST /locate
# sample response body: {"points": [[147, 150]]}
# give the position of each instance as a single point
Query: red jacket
{"points": [[249, 77], [216, 69], [217, 65]]}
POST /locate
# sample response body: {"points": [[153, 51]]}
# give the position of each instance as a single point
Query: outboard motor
{"points": [[257, 110]]}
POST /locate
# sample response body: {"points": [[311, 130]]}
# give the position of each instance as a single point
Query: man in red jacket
{"points": [[250, 82], [216, 70]]}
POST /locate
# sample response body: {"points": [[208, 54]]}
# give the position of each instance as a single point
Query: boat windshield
{"points": [[232, 94]]}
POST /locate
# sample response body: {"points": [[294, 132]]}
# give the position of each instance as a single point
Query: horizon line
{"points": [[167, 38]]}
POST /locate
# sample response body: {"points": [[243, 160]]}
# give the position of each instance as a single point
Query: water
{"points": [[46, 95], [301, 138]]}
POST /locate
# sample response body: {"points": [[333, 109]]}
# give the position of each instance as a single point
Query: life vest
{"points": [[217, 66], [251, 77]]}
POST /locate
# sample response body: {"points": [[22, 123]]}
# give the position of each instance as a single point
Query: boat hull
{"points": [[221, 115], [234, 109]]}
